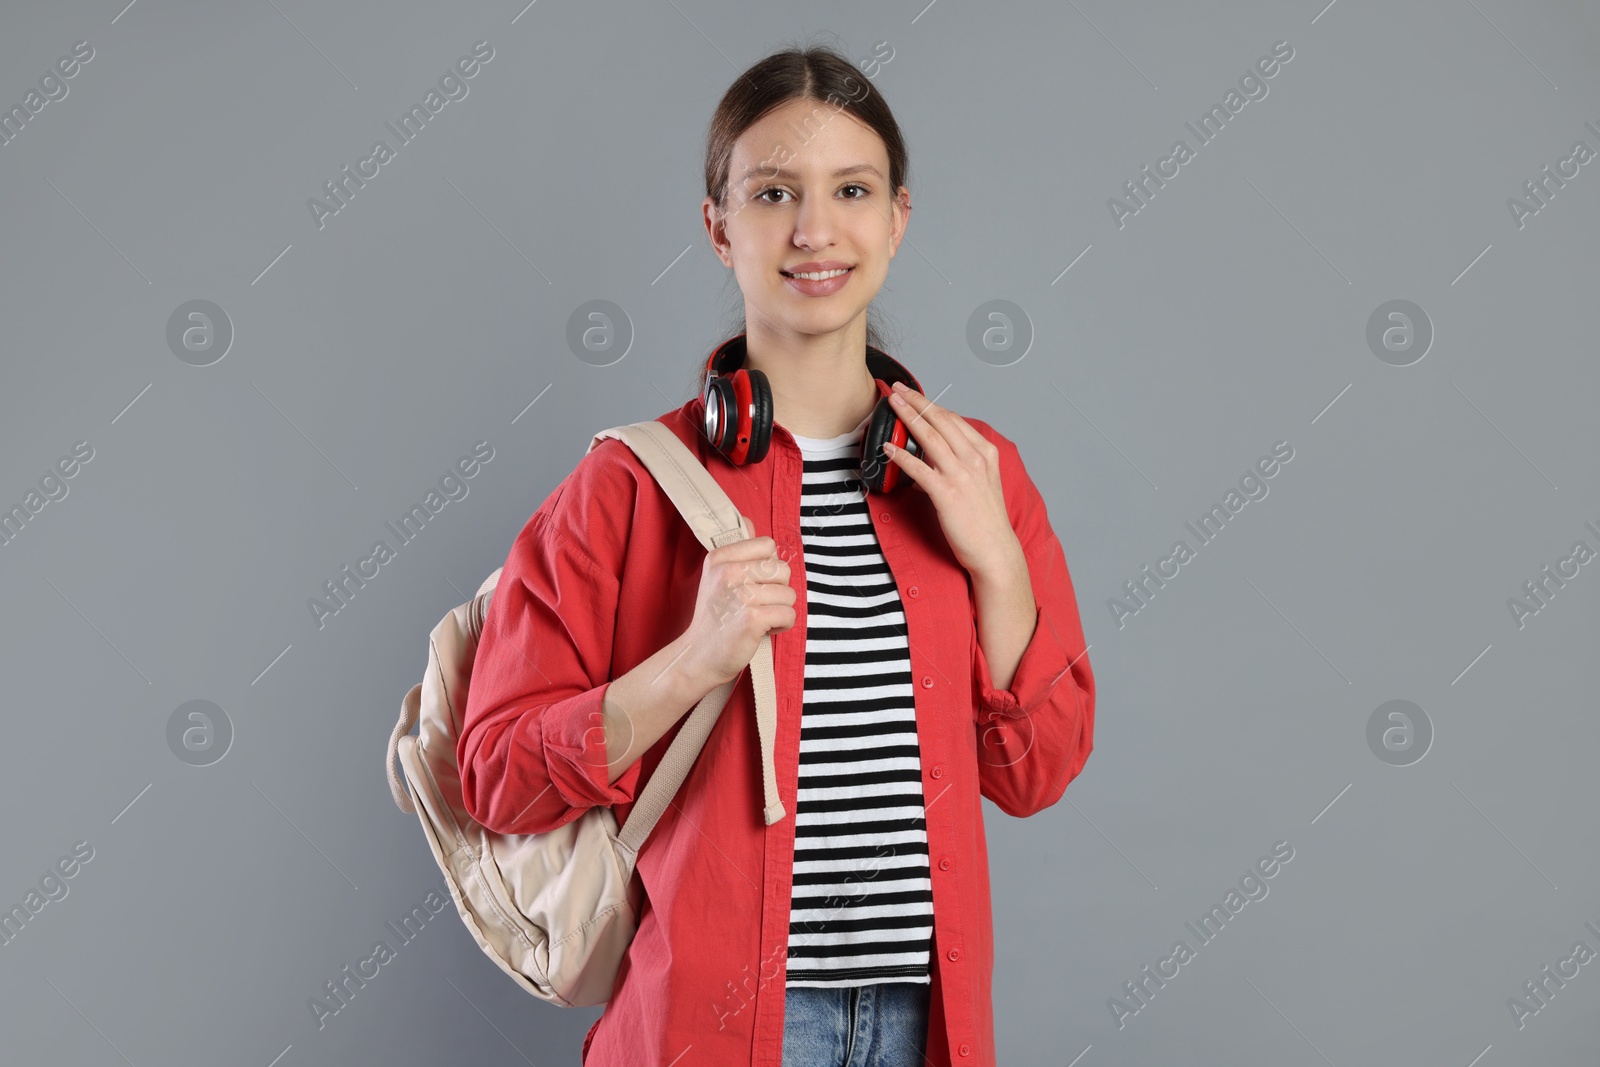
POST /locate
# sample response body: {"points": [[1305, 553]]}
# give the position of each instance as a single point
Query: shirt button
{"points": [[913, 592], [965, 1049], [944, 865], [883, 516], [927, 681], [954, 954], [938, 772]]}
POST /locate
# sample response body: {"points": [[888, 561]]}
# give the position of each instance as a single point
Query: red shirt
{"points": [[604, 575]]}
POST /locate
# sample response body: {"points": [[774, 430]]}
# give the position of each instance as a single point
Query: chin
{"points": [[817, 319]]}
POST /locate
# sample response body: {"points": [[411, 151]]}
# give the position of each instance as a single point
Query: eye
{"points": [[864, 190], [769, 189]]}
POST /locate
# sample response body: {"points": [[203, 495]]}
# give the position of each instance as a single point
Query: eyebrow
{"points": [[784, 172]]}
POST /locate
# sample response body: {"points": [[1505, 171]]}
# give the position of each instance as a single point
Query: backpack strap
{"points": [[715, 520]]}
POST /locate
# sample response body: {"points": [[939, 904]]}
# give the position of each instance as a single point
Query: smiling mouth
{"points": [[817, 275]]}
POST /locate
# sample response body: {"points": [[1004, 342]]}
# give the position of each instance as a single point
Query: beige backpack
{"points": [[558, 910]]}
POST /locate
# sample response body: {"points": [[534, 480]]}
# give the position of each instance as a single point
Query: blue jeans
{"points": [[881, 1025]]}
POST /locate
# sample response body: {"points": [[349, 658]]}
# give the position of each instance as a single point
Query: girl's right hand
{"points": [[744, 593]]}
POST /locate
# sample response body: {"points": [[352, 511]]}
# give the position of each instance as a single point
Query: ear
{"points": [[716, 230], [899, 218]]}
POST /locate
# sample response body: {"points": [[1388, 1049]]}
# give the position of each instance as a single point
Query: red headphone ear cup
{"points": [[760, 415]]}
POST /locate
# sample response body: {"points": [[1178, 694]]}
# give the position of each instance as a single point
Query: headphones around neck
{"points": [[738, 413]]}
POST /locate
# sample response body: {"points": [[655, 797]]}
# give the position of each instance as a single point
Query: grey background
{"points": [[1229, 314]]}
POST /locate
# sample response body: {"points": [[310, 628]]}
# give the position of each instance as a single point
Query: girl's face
{"points": [[808, 192]]}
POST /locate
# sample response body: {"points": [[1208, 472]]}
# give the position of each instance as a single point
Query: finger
{"points": [[914, 410], [769, 569], [748, 549], [969, 431], [913, 467], [956, 431], [952, 427], [767, 595]]}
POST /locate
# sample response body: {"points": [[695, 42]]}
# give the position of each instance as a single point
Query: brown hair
{"points": [[817, 73]]}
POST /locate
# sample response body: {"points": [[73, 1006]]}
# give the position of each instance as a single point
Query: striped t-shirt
{"points": [[862, 905]]}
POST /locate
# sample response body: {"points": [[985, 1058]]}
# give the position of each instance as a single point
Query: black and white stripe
{"points": [[862, 904]]}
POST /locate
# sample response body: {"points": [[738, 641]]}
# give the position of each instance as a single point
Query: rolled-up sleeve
{"points": [[532, 749], [1035, 736]]}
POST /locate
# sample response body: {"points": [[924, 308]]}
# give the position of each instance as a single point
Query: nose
{"points": [[814, 224]]}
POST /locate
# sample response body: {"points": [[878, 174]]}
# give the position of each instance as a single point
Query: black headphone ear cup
{"points": [[760, 416], [875, 466]]}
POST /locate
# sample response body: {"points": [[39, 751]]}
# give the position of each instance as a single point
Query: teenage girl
{"points": [[926, 642]]}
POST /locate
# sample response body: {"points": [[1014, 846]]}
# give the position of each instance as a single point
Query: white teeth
{"points": [[819, 275]]}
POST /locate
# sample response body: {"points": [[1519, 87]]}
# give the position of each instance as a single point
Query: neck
{"points": [[821, 386]]}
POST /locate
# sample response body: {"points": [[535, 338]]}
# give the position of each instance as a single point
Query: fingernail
{"points": [[900, 387]]}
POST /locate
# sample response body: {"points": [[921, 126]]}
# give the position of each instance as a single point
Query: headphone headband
{"points": [[729, 357]]}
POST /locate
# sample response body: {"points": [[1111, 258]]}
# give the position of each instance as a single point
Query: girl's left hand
{"points": [[960, 472]]}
